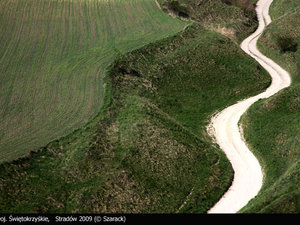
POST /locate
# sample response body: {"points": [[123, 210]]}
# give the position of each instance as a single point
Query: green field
{"points": [[53, 57], [147, 151], [272, 126]]}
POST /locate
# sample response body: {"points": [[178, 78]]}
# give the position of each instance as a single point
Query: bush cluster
{"points": [[287, 44], [177, 8]]}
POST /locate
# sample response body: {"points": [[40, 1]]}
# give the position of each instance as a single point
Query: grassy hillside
{"points": [[147, 150], [281, 8], [272, 126], [53, 57], [235, 19]]}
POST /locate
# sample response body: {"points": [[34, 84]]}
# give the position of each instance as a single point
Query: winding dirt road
{"points": [[248, 175]]}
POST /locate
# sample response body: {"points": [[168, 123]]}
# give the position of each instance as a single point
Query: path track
{"points": [[248, 175]]}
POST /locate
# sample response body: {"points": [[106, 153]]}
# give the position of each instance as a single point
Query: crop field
{"points": [[53, 57]]}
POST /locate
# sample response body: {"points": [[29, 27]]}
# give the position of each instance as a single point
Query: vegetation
{"points": [[235, 19], [287, 44], [53, 57], [147, 150], [272, 126], [177, 8], [280, 8]]}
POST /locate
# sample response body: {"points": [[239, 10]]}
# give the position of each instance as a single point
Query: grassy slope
{"points": [[272, 126], [56, 52], [147, 150], [232, 18]]}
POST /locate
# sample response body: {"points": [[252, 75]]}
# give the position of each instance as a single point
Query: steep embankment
{"points": [[271, 126]]}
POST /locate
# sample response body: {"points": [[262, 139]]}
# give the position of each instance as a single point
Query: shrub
{"points": [[177, 8], [246, 5], [287, 44]]}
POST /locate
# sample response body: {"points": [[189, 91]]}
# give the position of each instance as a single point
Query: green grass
{"points": [[53, 58], [184, 85], [234, 18], [148, 150], [281, 8], [271, 126]]}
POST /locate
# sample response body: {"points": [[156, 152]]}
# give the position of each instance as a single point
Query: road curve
{"points": [[248, 175]]}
